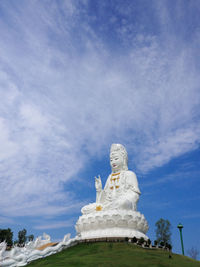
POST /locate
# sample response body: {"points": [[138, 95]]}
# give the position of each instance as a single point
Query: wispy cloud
{"points": [[55, 225], [165, 148], [156, 205], [191, 216], [6, 220], [173, 177], [66, 96]]}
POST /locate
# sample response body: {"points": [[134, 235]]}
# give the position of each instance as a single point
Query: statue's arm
{"points": [[98, 185], [98, 196], [102, 195]]}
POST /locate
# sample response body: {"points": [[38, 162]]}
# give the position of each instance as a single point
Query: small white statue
{"points": [[3, 246], [22, 256], [121, 190], [47, 238]]}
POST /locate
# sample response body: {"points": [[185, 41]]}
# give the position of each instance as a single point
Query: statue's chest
{"points": [[116, 183]]}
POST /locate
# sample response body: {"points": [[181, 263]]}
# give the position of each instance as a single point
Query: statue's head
{"points": [[118, 158]]}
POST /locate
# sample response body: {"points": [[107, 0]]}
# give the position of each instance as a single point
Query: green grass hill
{"points": [[113, 254]]}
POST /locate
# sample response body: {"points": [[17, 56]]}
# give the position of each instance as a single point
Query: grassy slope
{"points": [[113, 254]]}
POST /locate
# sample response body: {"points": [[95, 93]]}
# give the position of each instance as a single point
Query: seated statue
{"points": [[121, 190], [114, 214]]}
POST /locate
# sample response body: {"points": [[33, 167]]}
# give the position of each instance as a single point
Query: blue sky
{"points": [[77, 76]]}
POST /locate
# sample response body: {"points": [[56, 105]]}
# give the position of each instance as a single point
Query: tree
{"points": [[30, 237], [193, 253], [7, 236], [163, 231], [22, 237]]}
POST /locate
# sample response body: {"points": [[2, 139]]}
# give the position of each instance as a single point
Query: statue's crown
{"points": [[118, 147]]}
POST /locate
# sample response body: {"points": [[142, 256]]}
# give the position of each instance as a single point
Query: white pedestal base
{"points": [[115, 223]]}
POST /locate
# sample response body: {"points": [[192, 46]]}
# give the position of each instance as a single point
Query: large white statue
{"points": [[114, 214], [121, 190]]}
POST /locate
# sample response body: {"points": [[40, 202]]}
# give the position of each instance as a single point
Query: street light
{"points": [[180, 227]]}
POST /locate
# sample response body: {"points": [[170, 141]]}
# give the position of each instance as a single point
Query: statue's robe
{"points": [[121, 192]]}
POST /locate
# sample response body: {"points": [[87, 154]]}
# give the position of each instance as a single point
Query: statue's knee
{"points": [[88, 209], [126, 204]]}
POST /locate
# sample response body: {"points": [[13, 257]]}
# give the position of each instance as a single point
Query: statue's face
{"points": [[116, 161]]}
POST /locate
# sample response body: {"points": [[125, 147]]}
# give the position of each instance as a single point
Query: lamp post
{"points": [[180, 227]]}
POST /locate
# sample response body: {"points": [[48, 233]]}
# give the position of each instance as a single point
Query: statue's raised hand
{"points": [[98, 183]]}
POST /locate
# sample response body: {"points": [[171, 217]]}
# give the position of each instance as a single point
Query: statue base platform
{"points": [[113, 224]]}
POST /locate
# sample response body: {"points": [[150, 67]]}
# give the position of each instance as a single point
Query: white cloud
{"points": [[55, 225], [6, 220], [8, 147], [191, 216], [33, 118], [164, 149], [68, 98], [157, 205], [175, 177]]}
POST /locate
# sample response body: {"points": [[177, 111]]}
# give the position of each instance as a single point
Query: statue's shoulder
{"points": [[131, 181], [130, 174]]}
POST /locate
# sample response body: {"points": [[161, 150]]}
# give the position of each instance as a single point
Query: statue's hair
{"points": [[122, 150]]}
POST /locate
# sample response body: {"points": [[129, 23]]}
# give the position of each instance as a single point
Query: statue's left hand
{"points": [[98, 183]]}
